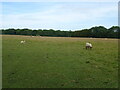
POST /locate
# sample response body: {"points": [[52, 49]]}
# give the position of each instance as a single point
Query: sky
{"points": [[58, 15]]}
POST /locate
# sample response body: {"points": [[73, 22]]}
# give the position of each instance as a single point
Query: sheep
{"points": [[88, 45], [22, 41]]}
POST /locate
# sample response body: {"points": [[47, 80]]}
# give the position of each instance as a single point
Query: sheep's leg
{"points": [[90, 48]]}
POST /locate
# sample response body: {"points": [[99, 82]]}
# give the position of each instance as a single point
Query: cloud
{"points": [[60, 15]]}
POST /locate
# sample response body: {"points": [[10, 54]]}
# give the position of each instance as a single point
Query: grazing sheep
{"points": [[88, 45], [22, 41]]}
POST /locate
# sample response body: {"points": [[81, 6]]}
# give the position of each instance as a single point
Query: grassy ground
{"points": [[54, 62]]}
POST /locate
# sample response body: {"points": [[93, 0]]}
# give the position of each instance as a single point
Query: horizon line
{"points": [[60, 29]]}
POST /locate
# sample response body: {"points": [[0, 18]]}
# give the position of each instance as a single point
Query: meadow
{"points": [[59, 62]]}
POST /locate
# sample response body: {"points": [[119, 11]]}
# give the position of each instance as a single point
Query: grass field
{"points": [[56, 62]]}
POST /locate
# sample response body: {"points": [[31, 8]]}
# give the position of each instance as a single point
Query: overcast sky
{"points": [[59, 15]]}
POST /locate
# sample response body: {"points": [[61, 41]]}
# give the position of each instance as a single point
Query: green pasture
{"points": [[59, 62]]}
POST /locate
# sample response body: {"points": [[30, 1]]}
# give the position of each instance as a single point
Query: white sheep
{"points": [[88, 45], [22, 41]]}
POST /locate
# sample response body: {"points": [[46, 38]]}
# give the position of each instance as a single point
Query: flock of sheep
{"points": [[87, 46]]}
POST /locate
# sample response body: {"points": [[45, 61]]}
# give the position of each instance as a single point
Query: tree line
{"points": [[94, 32]]}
